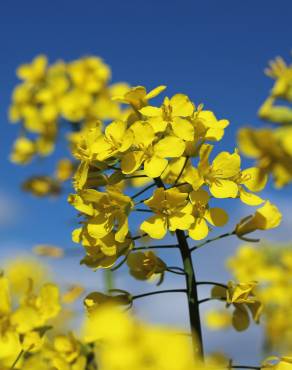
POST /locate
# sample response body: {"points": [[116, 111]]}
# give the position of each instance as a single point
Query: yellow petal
{"points": [[132, 161], [216, 216], [250, 198], [155, 92], [158, 123], [224, 189], [180, 221], [199, 230], [254, 179], [226, 164], [183, 129], [116, 130], [5, 304], [169, 147], [181, 106], [199, 196], [155, 227], [154, 166], [150, 111], [240, 318]]}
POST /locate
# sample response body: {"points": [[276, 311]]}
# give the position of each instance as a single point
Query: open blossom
{"points": [[219, 174], [203, 215], [173, 112], [244, 300], [138, 97], [104, 210], [149, 151], [171, 212]]}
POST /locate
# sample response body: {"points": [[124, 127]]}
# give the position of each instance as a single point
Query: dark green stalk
{"points": [[159, 292], [192, 293], [212, 240]]}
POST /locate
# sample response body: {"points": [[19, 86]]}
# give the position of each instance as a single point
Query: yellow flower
{"points": [[203, 214], [219, 175], [243, 298], [130, 344], [41, 186], [138, 97], [116, 139], [266, 217], [207, 122], [75, 104], [67, 346], [101, 252], [278, 363], [105, 211], [254, 180], [172, 212], [36, 310], [89, 74], [23, 271], [23, 151], [174, 112], [151, 155], [144, 265], [35, 71], [94, 300], [269, 147], [64, 170]]}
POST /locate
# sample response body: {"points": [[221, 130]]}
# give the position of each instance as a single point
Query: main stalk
{"points": [[191, 286]]}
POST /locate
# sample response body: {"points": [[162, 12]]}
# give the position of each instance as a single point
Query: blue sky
{"points": [[214, 51]]}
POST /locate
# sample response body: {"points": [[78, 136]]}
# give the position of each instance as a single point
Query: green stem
{"points": [[142, 210], [17, 359], [212, 240], [182, 170], [156, 247], [192, 293], [142, 191], [211, 299], [108, 279], [159, 292]]}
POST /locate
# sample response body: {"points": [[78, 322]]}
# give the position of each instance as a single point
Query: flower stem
{"points": [[159, 292], [192, 293], [167, 246], [17, 359], [143, 190], [211, 299], [212, 240]]}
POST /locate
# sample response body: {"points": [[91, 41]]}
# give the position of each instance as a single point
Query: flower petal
{"points": [[155, 227]]}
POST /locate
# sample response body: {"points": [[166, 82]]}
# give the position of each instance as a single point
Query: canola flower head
{"points": [[169, 143]]}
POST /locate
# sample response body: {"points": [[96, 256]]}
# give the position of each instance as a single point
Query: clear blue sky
{"points": [[213, 50]]}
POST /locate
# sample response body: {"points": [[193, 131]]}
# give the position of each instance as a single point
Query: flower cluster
{"points": [[272, 147], [242, 297], [51, 98], [123, 342], [77, 91], [271, 266], [166, 146]]}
